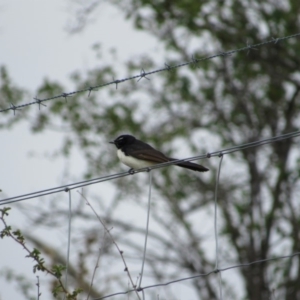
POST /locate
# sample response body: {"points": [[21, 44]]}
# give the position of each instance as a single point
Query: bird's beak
{"points": [[112, 142]]}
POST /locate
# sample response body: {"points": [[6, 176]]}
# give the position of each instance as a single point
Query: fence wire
{"points": [[80, 184], [144, 74], [203, 275]]}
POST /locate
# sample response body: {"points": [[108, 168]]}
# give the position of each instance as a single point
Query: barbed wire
{"points": [[144, 74], [71, 186]]}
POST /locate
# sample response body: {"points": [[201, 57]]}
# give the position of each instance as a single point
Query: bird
{"points": [[137, 154]]}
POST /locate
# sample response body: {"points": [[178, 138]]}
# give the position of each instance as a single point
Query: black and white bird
{"points": [[137, 154]]}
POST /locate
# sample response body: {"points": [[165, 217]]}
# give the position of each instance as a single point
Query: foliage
{"points": [[35, 254], [9, 93]]}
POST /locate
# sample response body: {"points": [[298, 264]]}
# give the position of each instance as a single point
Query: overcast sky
{"points": [[36, 45]]}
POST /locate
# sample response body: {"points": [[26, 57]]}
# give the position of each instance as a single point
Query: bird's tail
{"points": [[191, 166]]}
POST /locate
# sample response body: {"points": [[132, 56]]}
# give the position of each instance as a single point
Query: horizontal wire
{"points": [[144, 74], [202, 275], [67, 187]]}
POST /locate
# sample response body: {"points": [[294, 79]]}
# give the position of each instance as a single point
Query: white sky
{"points": [[35, 45]]}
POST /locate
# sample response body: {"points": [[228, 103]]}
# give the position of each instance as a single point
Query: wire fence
{"points": [[144, 74], [140, 288], [218, 153], [215, 271]]}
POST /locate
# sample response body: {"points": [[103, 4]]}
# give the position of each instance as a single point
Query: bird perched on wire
{"points": [[137, 154]]}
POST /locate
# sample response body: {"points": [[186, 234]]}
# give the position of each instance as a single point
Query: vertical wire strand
{"points": [[69, 240], [216, 227], [147, 230]]}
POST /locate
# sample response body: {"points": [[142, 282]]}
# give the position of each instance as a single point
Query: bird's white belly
{"points": [[133, 162]]}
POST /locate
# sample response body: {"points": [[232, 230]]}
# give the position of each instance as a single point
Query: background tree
{"points": [[217, 103]]}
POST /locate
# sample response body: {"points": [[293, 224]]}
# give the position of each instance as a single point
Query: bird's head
{"points": [[123, 140]]}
